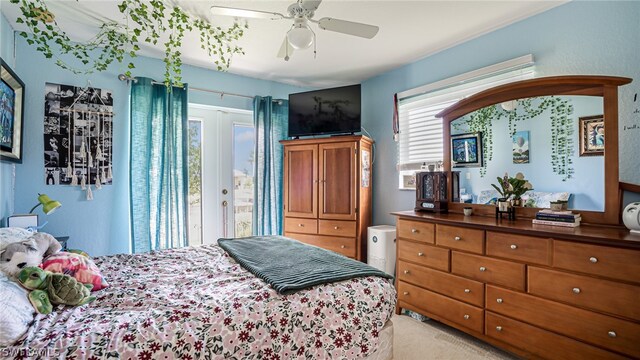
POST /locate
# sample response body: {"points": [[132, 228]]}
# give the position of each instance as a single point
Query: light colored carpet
{"points": [[431, 340]]}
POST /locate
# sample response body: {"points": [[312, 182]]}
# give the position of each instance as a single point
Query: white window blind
{"points": [[420, 136]]}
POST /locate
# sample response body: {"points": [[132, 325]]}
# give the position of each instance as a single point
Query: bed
{"points": [[199, 303]]}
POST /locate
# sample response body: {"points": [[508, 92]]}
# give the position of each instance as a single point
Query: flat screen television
{"points": [[327, 111]]}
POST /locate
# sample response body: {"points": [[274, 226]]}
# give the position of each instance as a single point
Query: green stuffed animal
{"points": [[51, 288]]}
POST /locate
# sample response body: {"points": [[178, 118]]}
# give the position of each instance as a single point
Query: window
{"points": [[420, 137]]}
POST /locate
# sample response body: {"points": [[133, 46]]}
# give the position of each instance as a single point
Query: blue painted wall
{"points": [[576, 38], [6, 168], [101, 226]]}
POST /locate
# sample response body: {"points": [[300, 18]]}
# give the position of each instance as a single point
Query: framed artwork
{"points": [[78, 135], [521, 147], [466, 150], [591, 135], [11, 114]]}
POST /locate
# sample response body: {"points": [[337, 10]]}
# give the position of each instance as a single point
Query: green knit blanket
{"points": [[289, 265]]}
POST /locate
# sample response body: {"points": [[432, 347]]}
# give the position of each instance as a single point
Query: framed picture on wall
{"points": [[591, 135], [466, 150], [11, 114]]}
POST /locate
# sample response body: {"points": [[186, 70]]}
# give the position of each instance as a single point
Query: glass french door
{"points": [[221, 178]]}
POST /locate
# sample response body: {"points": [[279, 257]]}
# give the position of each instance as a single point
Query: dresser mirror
{"points": [[539, 137], [546, 114]]}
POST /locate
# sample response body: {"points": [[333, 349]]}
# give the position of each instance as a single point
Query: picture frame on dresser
{"points": [[11, 114]]}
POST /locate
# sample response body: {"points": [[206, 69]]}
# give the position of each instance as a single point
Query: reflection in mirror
{"points": [[540, 138]]}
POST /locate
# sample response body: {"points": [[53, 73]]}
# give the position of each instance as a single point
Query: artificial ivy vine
{"points": [[145, 22], [562, 130]]}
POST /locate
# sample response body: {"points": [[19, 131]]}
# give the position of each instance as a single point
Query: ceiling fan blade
{"points": [[348, 27], [311, 5], [286, 50], [244, 13]]}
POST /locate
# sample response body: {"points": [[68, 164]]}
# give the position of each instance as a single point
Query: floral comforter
{"points": [[198, 303]]}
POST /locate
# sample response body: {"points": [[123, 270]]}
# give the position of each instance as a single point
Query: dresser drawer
{"points": [[455, 311], [460, 238], [621, 264], [453, 286], [609, 296], [528, 249], [568, 320], [435, 257], [540, 342], [337, 228], [304, 226], [344, 246], [416, 230], [488, 270]]}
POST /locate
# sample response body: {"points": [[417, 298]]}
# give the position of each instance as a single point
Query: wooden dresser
{"points": [[536, 291], [327, 193]]}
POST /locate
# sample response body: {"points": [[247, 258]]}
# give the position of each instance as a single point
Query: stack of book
{"points": [[557, 218]]}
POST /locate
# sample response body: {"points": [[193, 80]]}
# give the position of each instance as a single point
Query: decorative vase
{"points": [[503, 205], [556, 206]]}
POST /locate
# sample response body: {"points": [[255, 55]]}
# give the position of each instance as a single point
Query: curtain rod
{"points": [[123, 77]]}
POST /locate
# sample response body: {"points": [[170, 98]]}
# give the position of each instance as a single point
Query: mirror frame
{"points": [[589, 85]]}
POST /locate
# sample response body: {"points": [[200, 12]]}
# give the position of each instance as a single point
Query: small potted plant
{"points": [[505, 191], [519, 186]]}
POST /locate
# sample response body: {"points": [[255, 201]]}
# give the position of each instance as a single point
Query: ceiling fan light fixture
{"points": [[300, 36]]}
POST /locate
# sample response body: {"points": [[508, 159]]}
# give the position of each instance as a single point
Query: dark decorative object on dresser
{"points": [[431, 190]]}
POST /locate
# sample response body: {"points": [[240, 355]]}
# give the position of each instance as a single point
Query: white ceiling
{"points": [[409, 30]]}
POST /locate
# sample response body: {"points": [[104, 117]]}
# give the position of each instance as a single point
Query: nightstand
{"points": [[63, 241]]}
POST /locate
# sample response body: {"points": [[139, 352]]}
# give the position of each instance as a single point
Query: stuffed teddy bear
{"points": [[30, 252]]}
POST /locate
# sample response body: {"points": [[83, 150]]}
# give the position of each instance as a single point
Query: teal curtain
{"points": [[158, 166], [270, 119]]}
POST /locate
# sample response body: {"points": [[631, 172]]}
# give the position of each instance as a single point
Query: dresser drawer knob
{"points": [[336, 227], [467, 291], [301, 225], [420, 254], [415, 231], [342, 246], [499, 301], [513, 246], [612, 334], [593, 259], [457, 238], [576, 290], [406, 271], [466, 317], [406, 293], [498, 328], [483, 269]]}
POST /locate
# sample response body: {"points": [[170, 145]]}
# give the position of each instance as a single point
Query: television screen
{"points": [[328, 111]]}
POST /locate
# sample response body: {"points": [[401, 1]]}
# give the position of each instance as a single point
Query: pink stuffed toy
{"points": [[80, 267]]}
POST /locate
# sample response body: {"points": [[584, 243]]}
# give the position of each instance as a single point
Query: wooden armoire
{"points": [[327, 192]]}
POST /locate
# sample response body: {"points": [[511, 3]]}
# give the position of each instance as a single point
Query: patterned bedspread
{"points": [[198, 303]]}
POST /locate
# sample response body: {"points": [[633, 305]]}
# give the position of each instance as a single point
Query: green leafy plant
{"points": [[146, 21], [512, 186]]}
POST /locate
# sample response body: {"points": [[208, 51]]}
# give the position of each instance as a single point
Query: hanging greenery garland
{"points": [[562, 129], [145, 22]]}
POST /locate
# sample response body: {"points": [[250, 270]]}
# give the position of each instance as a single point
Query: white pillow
{"points": [[10, 235], [16, 312]]}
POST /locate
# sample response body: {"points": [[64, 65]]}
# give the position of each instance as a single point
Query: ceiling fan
{"points": [[301, 36]]}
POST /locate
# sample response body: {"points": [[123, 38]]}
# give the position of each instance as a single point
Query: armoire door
{"points": [[337, 191], [301, 181]]}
